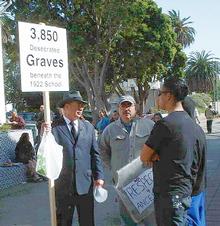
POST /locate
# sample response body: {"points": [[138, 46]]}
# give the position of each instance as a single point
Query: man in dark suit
{"points": [[82, 166]]}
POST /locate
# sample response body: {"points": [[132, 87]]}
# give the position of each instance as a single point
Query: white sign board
{"points": [[43, 58], [140, 190]]}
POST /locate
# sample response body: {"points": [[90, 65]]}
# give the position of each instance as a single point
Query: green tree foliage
{"points": [[218, 89], [5, 16], [11, 78], [109, 41], [202, 100], [202, 69], [185, 33], [148, 49]]}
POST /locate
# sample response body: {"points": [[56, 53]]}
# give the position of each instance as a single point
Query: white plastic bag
{"points": [[100, 194], [49, 157]]}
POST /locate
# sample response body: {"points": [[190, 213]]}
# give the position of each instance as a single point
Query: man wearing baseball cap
{"points": [[122, 140], [81, 163]]}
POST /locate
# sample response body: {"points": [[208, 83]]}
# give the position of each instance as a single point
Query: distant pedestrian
{"points": [[157, 117], [209, 114], [58, 114], [16, 121], [40, 117], [40, 122], [114, 116], [103, 121]]}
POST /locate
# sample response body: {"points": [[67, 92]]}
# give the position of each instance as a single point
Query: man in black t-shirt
{"points": [[196, 212], [189, 106], [171, 148]]}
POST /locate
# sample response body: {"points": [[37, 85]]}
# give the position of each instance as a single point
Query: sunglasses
{"points": [[161, 92]]}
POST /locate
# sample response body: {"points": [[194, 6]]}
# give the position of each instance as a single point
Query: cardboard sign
{"points": [[140, 191], [134, 185], [43, 58]]}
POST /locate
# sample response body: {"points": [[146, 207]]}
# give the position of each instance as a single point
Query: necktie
{"points": [[73, 131]]}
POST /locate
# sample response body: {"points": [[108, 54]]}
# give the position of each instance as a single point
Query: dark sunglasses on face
{"points": [[161, 92]]}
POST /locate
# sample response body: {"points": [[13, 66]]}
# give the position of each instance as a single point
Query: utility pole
{"points": [[2, 88]]}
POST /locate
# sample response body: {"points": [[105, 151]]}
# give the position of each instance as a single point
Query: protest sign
{"points": [[43, 58], [134, 185], [139, 191]]}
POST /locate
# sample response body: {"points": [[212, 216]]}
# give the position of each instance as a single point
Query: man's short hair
{"points": [[189, 106]]}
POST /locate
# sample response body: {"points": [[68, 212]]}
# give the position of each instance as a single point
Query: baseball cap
{"points": [[126, 98]]}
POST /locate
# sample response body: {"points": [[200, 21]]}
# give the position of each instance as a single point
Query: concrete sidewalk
{"points": [[28, 204], [213, 177]]}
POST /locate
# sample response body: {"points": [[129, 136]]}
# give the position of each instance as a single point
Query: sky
{"points": [[205, 15]]}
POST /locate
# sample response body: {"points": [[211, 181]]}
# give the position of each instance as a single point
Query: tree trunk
{"points": [[143, 94], [93, 82]]}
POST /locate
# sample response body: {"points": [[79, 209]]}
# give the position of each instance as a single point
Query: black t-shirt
{"points": [[200, 162], [174, 139]]}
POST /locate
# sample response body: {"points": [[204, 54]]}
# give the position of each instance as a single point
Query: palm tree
{"points": [[185, 33], [201, 71]]}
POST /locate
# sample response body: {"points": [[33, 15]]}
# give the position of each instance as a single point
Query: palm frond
{"points": [[185, 33], [202, 69]]}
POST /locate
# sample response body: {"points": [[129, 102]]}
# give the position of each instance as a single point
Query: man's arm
{"points": [[97, 166], [105, 148]]}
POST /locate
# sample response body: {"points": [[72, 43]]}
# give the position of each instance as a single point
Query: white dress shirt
{"points": [[75, 122]]}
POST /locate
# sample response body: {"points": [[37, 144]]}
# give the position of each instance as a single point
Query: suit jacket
{"points": [[82, 157]]}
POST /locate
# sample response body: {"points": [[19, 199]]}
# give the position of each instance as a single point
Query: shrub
{"points": [[5, 128], [202, 100]]}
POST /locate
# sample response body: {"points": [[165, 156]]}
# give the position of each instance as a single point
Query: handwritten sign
{"points": [[140, 190]]}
